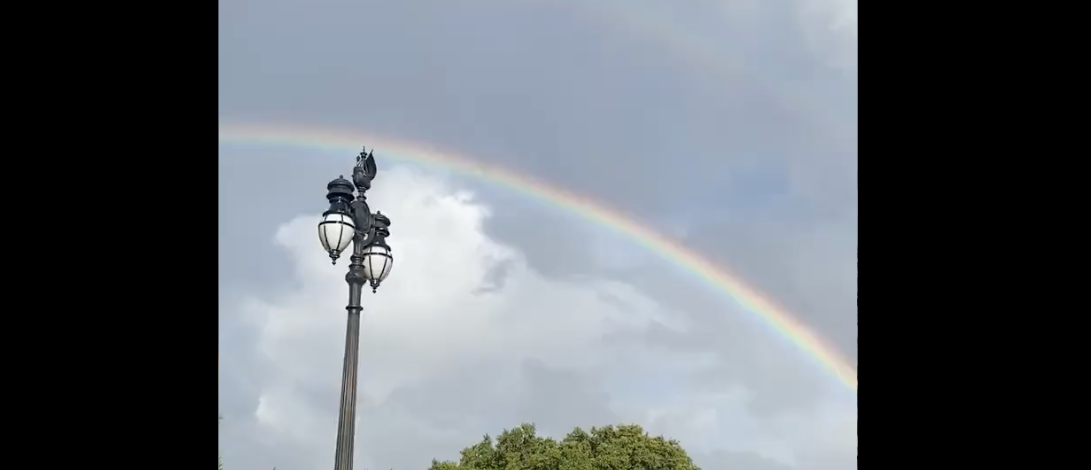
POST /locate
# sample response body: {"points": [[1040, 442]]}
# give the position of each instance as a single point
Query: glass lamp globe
{"points": [[377, 262], [335, 231]]}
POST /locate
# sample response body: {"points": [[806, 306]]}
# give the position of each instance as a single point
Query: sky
{"points": [[730, 126]]}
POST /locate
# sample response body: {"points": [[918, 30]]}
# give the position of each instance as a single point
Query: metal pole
{"points": [[346, 420]]}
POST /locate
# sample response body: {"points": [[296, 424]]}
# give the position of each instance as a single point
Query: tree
{"points": [[624, 447]]}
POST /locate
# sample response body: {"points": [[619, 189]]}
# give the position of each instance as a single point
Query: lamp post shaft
{"points": [[368, 242], [346, 419]]}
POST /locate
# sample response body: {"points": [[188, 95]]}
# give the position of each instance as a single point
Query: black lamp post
{"points": [[349, 220]]}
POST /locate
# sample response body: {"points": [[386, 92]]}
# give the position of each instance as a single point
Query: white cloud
{"points": [[832, 26], [443, 360], [429, 317]]}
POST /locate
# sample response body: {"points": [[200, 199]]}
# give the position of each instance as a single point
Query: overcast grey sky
{"points": [[730, 125]]}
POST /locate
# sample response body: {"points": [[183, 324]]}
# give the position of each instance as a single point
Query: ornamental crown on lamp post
{"points": [[364, 171]]}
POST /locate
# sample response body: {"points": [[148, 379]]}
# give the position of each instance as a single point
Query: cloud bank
{"points": [[466, 338]]}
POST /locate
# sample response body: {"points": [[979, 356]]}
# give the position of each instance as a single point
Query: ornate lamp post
{"points": [[350, 221]]}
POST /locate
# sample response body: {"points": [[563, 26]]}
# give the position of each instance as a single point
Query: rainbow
{"points": [[752, 300]]}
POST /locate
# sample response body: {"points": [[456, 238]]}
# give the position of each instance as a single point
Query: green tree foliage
{"points": [[625, 447]]}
